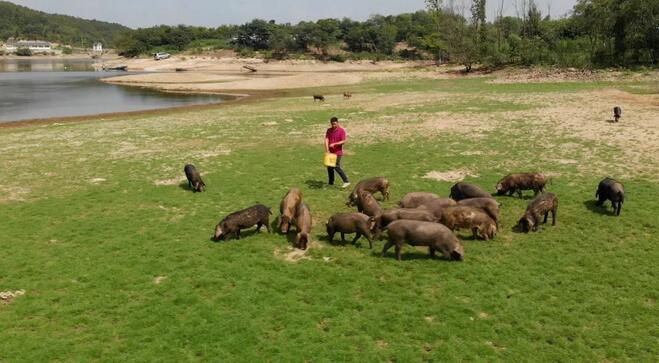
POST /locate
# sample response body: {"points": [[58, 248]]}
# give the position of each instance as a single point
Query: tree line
{"points": [[23, 23], [597, 33]]}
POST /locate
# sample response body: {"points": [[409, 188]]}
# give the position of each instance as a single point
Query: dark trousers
{"points": [[330, 172]]}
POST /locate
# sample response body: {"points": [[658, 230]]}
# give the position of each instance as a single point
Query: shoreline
{"points": [[253, 96], [110, 116]]}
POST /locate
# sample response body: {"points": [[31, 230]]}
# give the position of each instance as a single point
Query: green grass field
{"points": [[115, 257]]}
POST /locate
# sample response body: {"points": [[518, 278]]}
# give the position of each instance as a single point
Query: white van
{"points": [[161, 55]]}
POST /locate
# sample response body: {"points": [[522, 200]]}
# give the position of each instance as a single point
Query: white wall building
{"points": [[36, 46], [98, 47]]}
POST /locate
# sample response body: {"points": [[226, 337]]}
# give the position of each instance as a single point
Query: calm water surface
{"points": [[40, 88]]}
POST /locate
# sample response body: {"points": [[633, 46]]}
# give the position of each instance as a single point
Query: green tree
{"points": [[280, 41], [433, 40]]}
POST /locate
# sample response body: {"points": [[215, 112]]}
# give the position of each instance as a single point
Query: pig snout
{"points": [[284, 224], [219, 234], [499, 188]]}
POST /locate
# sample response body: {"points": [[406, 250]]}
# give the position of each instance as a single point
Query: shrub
{"points": [[280, 54], [410, 54], [24, 52], [337, 58], [246, 52], [67, 50]]}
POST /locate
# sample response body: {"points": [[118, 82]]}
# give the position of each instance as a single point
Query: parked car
{"points": [[161, 55]]}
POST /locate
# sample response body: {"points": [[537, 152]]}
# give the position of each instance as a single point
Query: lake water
{"points": [[42, 88]]}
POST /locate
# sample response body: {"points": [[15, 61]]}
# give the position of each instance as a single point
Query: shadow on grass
{"points": [[411, 256], [185, 186], [244, 234], [314, 184], [274, 225], [469, 237], [361, 242], [525, 196], [603, 210], [517, 229]]}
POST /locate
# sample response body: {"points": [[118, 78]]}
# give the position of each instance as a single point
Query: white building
{"points": [[98, 47], [36, 46]]}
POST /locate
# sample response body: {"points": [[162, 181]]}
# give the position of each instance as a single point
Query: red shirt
{"points": [[336, 135]]}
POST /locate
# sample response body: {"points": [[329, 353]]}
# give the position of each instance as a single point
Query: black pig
{"points": [[258, 215], [194, 179]]}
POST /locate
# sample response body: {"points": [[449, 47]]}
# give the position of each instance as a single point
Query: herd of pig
{"points": [[421, 219]]}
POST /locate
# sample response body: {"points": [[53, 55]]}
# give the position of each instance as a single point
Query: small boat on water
{"points": [[116, 68]]}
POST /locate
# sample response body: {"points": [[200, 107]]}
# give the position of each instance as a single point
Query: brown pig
{"points": [[463, 190], [472, 218], [372, 185], [516, 183], [303, 220], [288, 207], [488, 205], [415, 214], [416, 233], [436, 206], [358, 223], [367, 204], [541, 205], [416, 199]]}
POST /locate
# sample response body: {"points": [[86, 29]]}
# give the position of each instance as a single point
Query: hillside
{"points": [[21, 22]]}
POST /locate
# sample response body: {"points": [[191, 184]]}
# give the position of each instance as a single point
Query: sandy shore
{"points": [[207, 74]]}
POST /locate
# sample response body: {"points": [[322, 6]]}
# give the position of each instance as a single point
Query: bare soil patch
{"points": [[159, 279], [450, 176], [536, 75], [588, 116], [11, 194], [169, 182], [291, 254], [6, 297]]}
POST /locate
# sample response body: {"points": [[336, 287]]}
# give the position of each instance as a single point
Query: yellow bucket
{"points": [[329, 160]]}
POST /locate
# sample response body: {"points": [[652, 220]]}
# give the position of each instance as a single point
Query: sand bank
{"points": [[206, 74]]}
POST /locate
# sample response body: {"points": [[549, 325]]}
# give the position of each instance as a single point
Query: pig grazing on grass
{"points": [[372, 185], [303, 220], [617, 113], [346, 223], [610, 189], [437, 206], [488, 205], [541, 205], [415, 214], [416, 233], [258, 215], [194, 179], [367, 204], [472, 218], [463, 190], [416, 199], [288, 208], [516, 183]]}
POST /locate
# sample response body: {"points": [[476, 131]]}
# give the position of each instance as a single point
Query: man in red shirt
{"points": [[335, 137]]}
